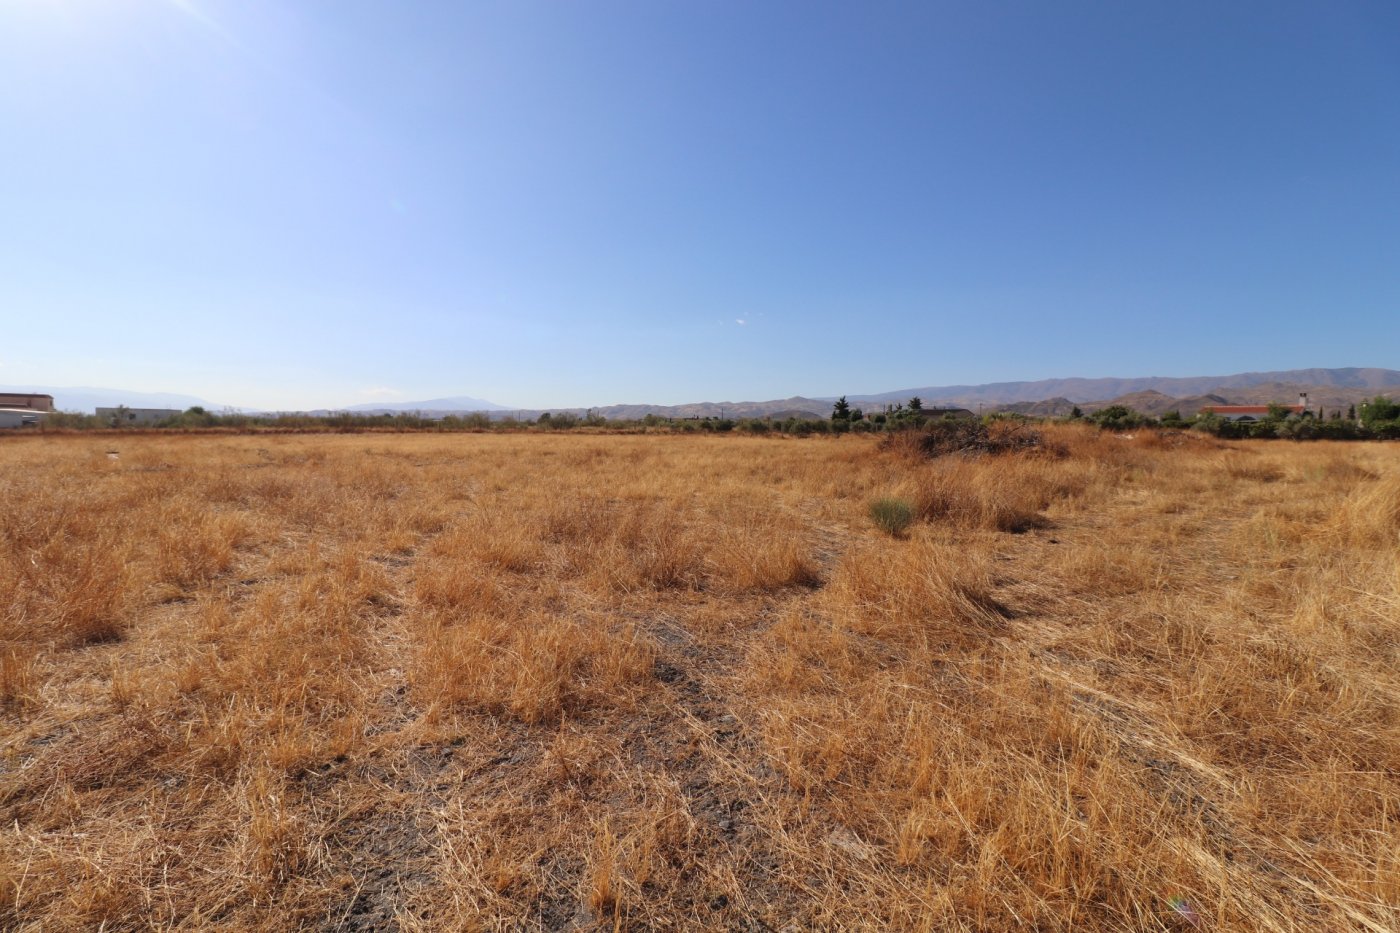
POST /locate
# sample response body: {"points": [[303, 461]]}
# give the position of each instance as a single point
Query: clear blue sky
{"points": [[296, 204]]}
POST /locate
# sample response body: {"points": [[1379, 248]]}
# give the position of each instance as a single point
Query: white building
{"points": [[131, 417], [20, 417]]}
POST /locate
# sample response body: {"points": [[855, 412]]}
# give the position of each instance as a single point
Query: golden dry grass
{"points": [[637, 682]]}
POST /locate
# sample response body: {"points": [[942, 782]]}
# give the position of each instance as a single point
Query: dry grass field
{"points": [[521, 681]]}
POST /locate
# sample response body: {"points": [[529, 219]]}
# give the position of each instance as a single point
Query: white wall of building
{"points": [[19, 418]]}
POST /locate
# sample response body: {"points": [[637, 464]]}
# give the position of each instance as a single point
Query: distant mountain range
{"points": [[1096, 390], [1156, 395], [454, 403], [797, 406], [1328, 388], [1150, 402]]}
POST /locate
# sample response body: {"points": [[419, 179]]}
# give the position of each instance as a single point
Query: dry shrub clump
{"points": [[494, 681], [968, 437]]}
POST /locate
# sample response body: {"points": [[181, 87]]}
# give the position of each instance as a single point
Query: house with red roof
{"points": [[1255, 412]]}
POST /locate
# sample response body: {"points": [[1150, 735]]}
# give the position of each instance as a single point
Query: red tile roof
{"points": [[1249, 409]]}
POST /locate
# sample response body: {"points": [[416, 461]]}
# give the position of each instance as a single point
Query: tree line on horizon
{"points": [[1378, 418]]}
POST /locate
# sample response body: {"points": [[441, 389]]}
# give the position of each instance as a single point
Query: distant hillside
{"points": [[718, 409], [1150, 402], [452, 403], [1328, 398], [1287, 393], [1194, 403], [1046, 408], [1079, 390], [777, 408], [1156, 395]]}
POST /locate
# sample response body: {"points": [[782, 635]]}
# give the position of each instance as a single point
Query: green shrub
{"points": [[1118, 418], [560, 422], [798, 426], [891, 515], [1378, 410]]}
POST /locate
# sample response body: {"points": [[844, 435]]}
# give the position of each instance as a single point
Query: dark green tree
{"points": [[841, 411], [1117, 418], [1379, 409], [916, 404]]}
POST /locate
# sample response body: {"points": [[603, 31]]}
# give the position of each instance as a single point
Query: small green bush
{"points": [[1118, 418], [891, 515]]}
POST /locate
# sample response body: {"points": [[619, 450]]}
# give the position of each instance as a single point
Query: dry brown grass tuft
{"points": [[671, 682], [534, 668], [922, 590], [1370, 516]]}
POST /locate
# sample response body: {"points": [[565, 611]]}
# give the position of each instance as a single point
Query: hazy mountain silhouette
{"points": [[452, 403], [1150, 394], [1079, 389]]}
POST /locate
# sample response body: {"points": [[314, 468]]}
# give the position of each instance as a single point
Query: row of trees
{"points": [[844, 418], [898, 415], [1377, 418]]}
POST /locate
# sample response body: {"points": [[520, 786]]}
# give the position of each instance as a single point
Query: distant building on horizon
{"points": [[21, 417], [1254, 412], [26, 401]]}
